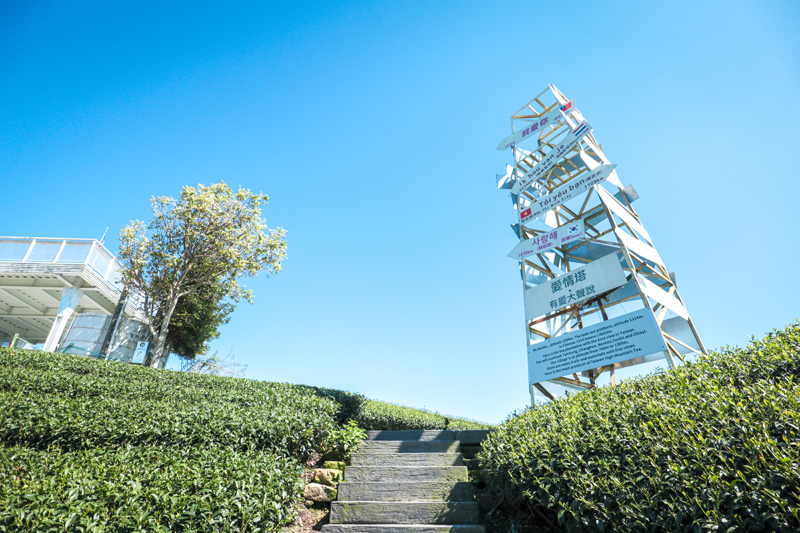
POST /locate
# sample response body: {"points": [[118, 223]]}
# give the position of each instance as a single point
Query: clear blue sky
{"points": [[372, 127]]}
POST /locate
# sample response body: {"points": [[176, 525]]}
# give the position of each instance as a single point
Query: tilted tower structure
{"points": [[597, 294]]}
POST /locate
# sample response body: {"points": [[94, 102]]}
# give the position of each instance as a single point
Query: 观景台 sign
{"points": [[581, 284], [615, 340], [541, 243], [566, 192], [537, 125], [549, 161]]}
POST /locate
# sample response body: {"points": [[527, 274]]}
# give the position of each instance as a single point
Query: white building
{"points": [[46, 283]]}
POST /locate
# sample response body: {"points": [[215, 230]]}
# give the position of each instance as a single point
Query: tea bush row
{"points": [[374, 414], [713, 445], [76, 402], [377, 415], [90, 445], [145, 488], [205, 397]]}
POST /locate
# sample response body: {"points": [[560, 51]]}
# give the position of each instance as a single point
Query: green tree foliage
{"points": [[196, 321], [205, 240]]}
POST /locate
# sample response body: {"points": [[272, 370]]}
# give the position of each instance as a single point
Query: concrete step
{"points": [[406, 459], [416, 434], [409, 446], [402, 528], [405, 474], [371, 512], [472, 436], [460, 491]]}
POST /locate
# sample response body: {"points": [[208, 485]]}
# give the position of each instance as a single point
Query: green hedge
{"points": [[713, 445], [145, 488], [76, 402], [92, 445], [348, 403], [373, 414]]}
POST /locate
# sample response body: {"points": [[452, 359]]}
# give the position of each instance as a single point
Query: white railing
{"points": [[62, 251]]}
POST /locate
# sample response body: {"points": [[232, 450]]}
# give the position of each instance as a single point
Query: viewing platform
{"points": [[44, 281]]}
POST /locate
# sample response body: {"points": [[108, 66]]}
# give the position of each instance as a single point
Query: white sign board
{"points": [[141, 351], [581, 284], [537, 125], [541, 243], [547, 162], [566, 192], [618, 339]]}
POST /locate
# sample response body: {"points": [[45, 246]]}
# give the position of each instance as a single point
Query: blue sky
{"points": [[373, 126]]}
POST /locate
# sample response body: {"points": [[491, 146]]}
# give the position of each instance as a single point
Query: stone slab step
{"points": [[472, 436], [409, 446], [416, 434], [402, 528], [406, 459], [371, 512], [460, 491], [470, 451], [405, 474]]}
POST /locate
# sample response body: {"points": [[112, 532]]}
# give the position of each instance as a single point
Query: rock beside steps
{"points": [[407, 481]]}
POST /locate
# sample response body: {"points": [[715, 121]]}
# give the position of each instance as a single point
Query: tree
{"points": [[200, 243], [196, 321]]}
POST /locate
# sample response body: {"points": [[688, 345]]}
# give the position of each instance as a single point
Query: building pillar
{"points": [[70, 299]]}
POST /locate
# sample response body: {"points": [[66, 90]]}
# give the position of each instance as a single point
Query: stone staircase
{"points": [[407, 481]]}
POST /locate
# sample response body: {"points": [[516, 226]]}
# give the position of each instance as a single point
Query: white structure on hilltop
{"points": [[597, 294], [49, 287]]}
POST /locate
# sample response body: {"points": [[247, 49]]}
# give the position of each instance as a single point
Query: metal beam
{"points": [[35, 325], [49, 313], [15, 293], [101, 302], [10, 327], [34, 282]]}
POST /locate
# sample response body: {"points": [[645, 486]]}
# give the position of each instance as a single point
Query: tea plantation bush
{"points": [[90, 445], [76, 402], [711, 446], [145, 488], [377, 415], [381, 415]]}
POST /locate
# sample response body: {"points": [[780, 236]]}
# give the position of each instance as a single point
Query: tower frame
{"points": [[564, 184]]}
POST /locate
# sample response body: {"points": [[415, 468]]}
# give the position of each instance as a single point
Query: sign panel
{"points": [[618, 339], [539, 124], [548, 161], [541, 243], [506, 181], [566, 192], [581, 284], [592, 164], [141, 351]]}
